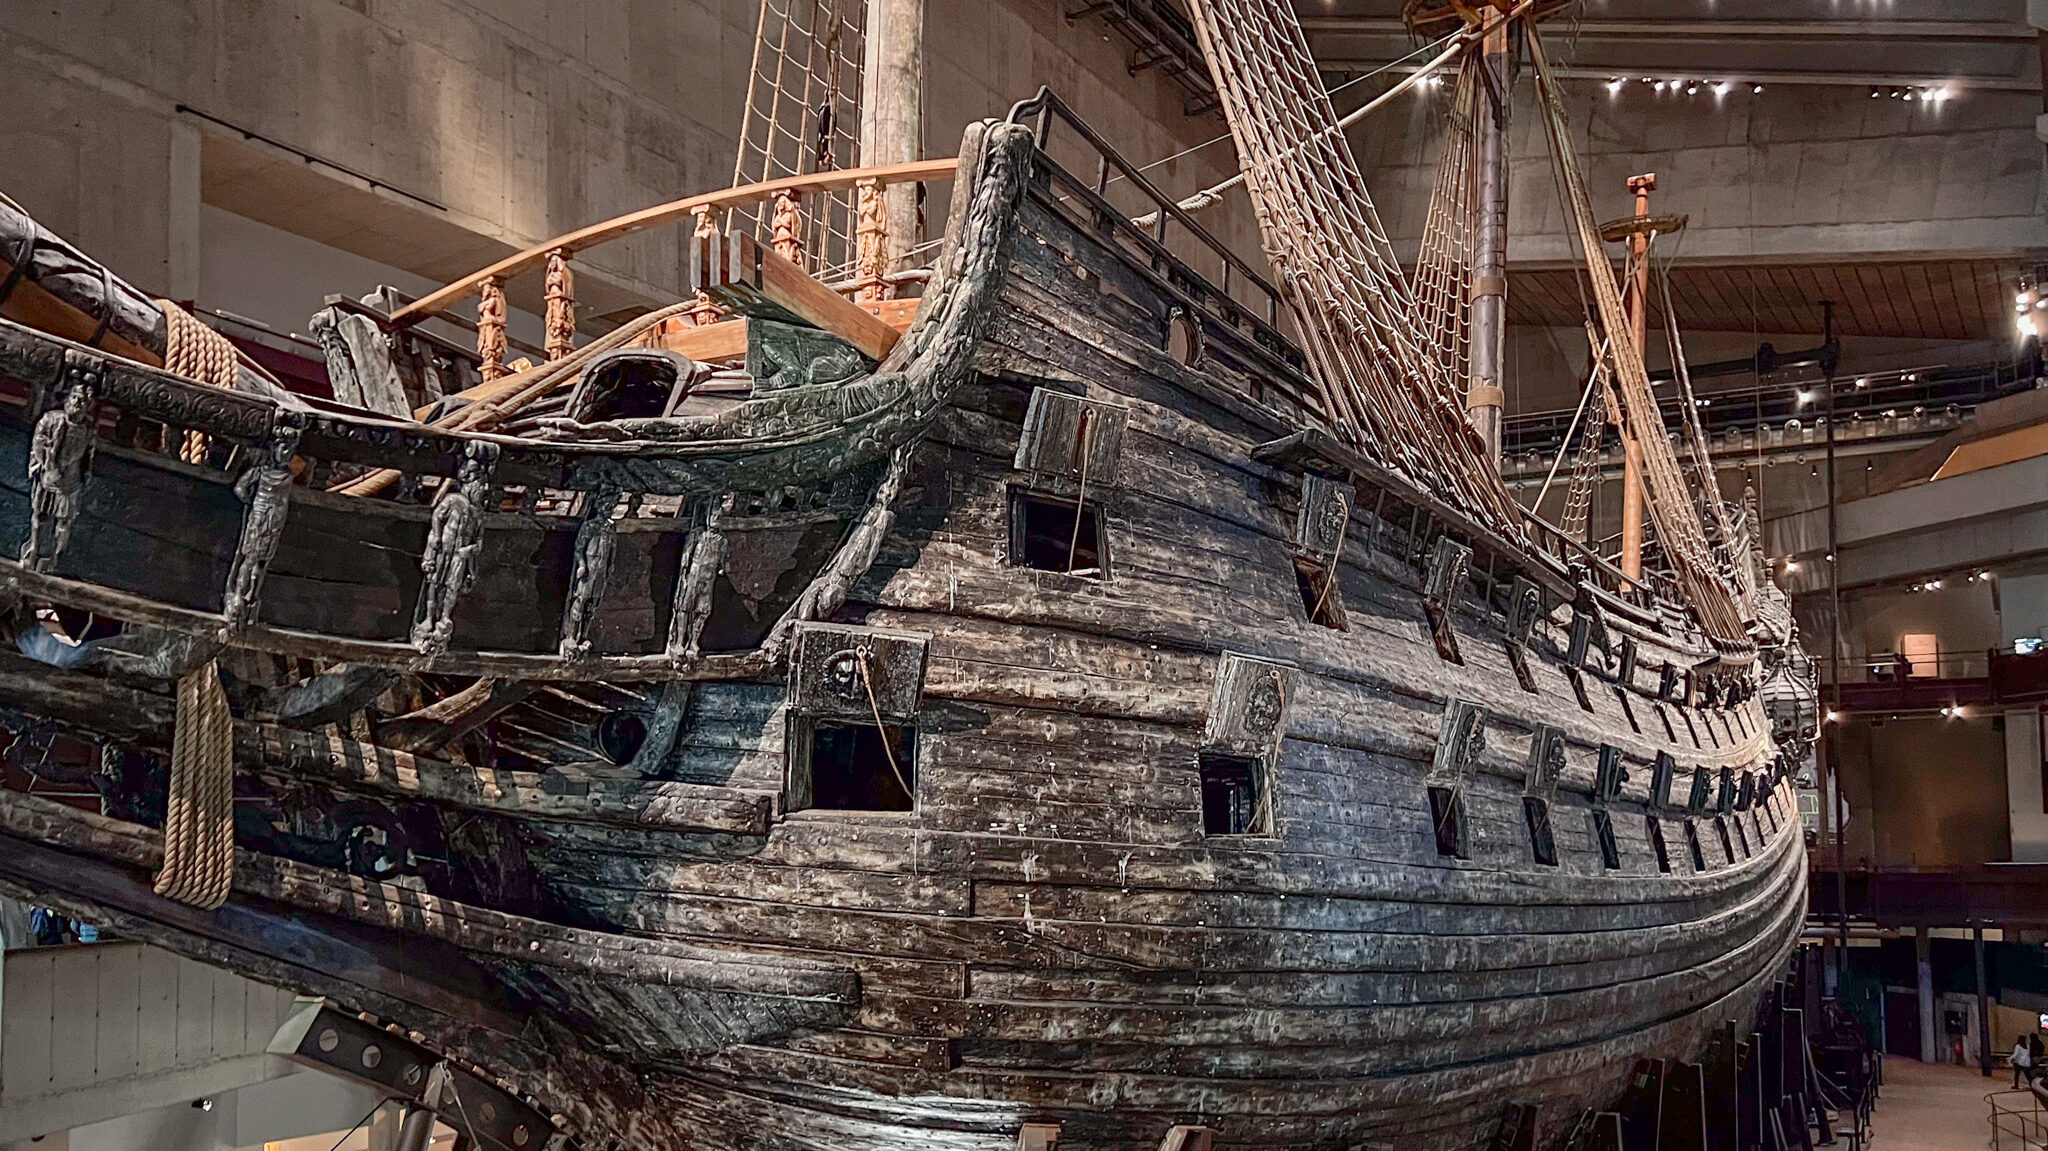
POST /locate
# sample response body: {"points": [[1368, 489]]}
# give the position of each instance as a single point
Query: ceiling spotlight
{"points": [[1874, 93], [1791, 565], [1659, 85], [1691, 88], [1862, 381], [1614, 85], [1757, 88], [1721, 89]]}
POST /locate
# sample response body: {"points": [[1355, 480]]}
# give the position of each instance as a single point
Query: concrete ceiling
{"points": [[1957, 299], [1983, 44]]}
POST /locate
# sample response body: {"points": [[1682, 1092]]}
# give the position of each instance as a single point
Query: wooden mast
{"points": [[1483, 395], [1638, 321], [892, 115]]}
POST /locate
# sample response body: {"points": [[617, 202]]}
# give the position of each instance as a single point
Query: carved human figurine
{"points": [[448, 566], [263, 491], [59, 453]]}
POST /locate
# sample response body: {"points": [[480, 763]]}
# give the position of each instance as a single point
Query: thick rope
{"points": [[199, 825], [197, 352]]}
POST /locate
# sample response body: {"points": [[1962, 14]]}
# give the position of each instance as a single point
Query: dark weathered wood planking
{"points": [[1050, 934]]}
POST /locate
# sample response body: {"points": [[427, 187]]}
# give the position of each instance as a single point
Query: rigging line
{"points": [[882, 730], [1592, 379], [1336, 556], [1388, 66], [1081, 499]]}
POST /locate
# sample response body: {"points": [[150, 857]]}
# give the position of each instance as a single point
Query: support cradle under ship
{"points": [[1052, 723]]}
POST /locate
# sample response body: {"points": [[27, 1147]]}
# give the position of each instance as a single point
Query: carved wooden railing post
{"points": [[705, 310], [561, 317], [490, 328], [871, 237], [597, 539], [788, 224], [448, 566], [265, 491], [59, 455]]}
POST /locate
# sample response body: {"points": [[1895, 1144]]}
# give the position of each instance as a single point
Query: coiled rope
{"points": [[195, 351], [199, 825]]}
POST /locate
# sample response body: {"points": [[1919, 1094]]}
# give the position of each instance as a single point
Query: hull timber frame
{"points": [[679, 953]]}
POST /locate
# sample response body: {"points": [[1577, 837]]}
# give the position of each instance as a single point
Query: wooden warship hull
{"points": [[691, 957]]}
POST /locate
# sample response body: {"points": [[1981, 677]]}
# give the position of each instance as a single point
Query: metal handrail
{"points": [[2029, 1125]]}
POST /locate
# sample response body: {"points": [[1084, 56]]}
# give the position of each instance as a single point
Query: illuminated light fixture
{"points": [[1874, 93], [1862, 381], [1834, 717], [1805, 397], [1757, 88], [1659, 85], [1691, 88], [1614, 85], [1721, 89]]}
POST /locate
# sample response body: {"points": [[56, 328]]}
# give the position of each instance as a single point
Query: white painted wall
{"points": [[2023, 607], [280, 279], [2023, 787]]}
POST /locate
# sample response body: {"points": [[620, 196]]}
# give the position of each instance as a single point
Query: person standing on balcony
{"points": [[2022, 1061]]}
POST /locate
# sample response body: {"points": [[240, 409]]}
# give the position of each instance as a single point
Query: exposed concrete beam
{"points": [[1708, 28], [1344, 62], [1979, 519]]}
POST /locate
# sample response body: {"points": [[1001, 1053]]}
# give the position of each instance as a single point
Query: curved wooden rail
{"points": [[442, 299]]}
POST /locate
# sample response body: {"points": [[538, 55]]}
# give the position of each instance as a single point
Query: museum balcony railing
{"points": [[2013, 895], [1945, 681], [1784, 410]]}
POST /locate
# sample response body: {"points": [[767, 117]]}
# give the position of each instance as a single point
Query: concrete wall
{"points": [[1925, 791], [2026, 798], [1791, 172], [520, 120]]}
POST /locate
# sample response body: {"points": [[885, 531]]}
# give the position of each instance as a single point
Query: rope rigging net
{"points": [[1368, 333], [1672, 512], [803, 116]]}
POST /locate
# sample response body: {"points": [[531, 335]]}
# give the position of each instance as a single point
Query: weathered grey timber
{"points": [[578, 841]]}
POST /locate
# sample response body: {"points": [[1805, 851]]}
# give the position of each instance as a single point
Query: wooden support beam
{"points": [[747, 276], [438, 724], [1187, 1138], [1039, 1137]]}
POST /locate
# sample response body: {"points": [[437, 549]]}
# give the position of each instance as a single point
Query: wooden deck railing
{"points": [[709, 213]]}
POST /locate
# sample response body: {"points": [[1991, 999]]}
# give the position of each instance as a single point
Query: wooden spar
{"points": [[892, 116], [1483, 395], [747, 276], [1632, 450], [440, 300]]}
